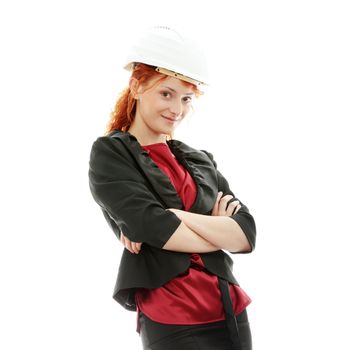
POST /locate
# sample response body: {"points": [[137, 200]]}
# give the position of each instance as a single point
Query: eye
{"points": [[165, 94], [187, 99]]}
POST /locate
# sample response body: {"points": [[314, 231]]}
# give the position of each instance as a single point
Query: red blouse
{"points": [[193, 297]]}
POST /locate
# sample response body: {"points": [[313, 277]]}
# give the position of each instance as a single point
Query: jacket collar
{"points": [[195, 162]]}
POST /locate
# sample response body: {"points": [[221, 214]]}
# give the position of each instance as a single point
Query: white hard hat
{"points": [[171, 54]]}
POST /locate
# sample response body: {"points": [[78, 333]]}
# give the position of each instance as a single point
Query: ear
{"points": [[134, 87]]}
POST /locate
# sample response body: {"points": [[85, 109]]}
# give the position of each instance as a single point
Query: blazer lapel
{"points": [[195, 162], [159, 181], [203, 173]]}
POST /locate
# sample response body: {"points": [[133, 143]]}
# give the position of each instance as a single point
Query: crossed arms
{"points": [[204, 233], [139, 217]]}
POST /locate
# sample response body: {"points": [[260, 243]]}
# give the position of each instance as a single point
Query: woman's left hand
{"points": [[132, 247]]}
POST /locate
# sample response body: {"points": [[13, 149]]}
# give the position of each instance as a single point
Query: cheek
{"points": [[160, 105], [152, 110], [187, 109], [155, 103]]}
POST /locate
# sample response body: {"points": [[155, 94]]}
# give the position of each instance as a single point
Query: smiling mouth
{"points": [[171, 119]]}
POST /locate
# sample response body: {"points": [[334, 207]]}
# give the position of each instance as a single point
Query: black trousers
{"points": [[209, 336]]}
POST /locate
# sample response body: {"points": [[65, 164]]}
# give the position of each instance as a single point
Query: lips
{"points": [[171, 119]]}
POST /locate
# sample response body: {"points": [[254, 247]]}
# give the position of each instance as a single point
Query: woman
{"points": [[170, 207]]}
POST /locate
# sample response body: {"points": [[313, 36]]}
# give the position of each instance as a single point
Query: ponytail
{"points": [[123, 113]]}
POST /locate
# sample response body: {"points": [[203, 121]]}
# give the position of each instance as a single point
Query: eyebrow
{"points": [[171, 89]]}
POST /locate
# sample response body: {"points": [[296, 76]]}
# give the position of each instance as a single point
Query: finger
{"points": [[216, 205], [136, 246], [128, 245], [237, 208], [133, 248], [232, 208], [215, 209], [223, 204]]}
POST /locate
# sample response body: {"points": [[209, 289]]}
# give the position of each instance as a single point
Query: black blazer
{"points": [[134, 194]]}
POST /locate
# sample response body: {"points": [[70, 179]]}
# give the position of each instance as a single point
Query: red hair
{"points": [[124, 110]]}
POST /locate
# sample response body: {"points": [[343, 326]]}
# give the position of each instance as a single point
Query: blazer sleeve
{"points": [[243, 217], [119, 188]]}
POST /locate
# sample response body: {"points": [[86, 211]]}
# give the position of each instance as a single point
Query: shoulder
{"points": [[114, 142], [110, 151], [108, 139]]}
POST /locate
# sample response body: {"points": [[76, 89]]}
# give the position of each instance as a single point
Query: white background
{"points": [[275, 118]]}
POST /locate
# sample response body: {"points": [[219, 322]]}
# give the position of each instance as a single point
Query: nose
{"points": [[176, 107]]}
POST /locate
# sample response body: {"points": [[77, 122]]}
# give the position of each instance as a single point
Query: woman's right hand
{"points": [[222, 209], [132, 247]]}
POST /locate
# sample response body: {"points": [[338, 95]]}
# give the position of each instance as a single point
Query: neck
{"points": [[146, 137]]}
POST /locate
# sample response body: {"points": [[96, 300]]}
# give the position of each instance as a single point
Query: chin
{"points": [[167, 131]]}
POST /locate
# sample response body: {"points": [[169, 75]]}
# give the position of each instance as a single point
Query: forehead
{"points": [[176, 85]]}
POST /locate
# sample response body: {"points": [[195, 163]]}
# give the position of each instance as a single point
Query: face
{"points": [[161, 108]]}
